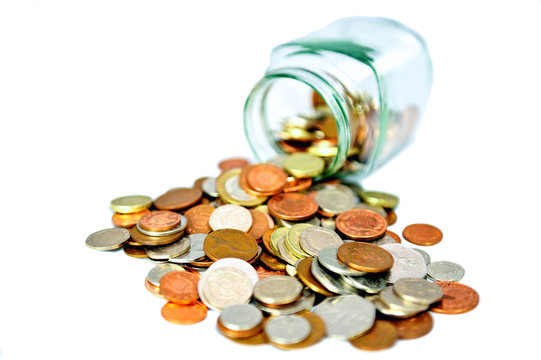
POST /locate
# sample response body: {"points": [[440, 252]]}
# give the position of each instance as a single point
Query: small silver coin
{"points": [[445, 271], [288, 329], [231, 217], [418, 291], [195, 251], [304, 303], [156, 273], [331, 281], [394, 302], [386, 310], [346, 316], [408, 263], [328, 259], [424, 253], [181, 227], [335, 199], [315, 238], [241, 317], [108, 239], [165, 252], [278, 290], [209, 187], [371, 284]]}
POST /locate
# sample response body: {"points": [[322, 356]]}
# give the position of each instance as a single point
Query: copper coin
{"points": [[178, 198], [135, 251], [294, 184], [304, 273], [238, 334], [422, 234], [243, 182], [154, 290], [225, 243], [361, 224], [457, 298], [184, 314], [260, 224], [179, 287], [383, 335], [272, 262], [127, 220], [266, 240], [318, 332], [198, 219], [197, 183], [365, 257], [394, 236], [391, 217], [153, 240], [263, 272], [414, 327], [292, 206], [159, 221], [258, 339], [232, 163], [267, 178]]}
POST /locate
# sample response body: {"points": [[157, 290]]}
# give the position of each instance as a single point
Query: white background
{"points": [[105, 98]]}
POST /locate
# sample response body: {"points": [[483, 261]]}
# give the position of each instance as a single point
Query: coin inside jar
{"points": [[277, 290]]}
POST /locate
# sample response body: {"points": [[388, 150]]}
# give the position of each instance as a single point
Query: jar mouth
{"points": [[257, 126]]}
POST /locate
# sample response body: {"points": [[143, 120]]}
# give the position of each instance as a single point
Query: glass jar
{"points": [[352, 93]]}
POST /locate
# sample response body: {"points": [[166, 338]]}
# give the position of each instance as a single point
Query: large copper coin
{"points": [[153, 240], [178, 198], [266, 178], [184, 314], [383, 335], [361, 224], [292, 206], [294, 184], [198, 219], [304, 273], [232, 163], [365, 257], [179, 287], [422, 234], [127, 220], [159, 221], [317, 333], [226, 243], [260, 224], [457, 298], [414, 327]]}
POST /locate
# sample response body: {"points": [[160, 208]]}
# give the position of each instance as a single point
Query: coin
{"points": [[288, 329], [285, 254], [232, 163], [292, 240], [294, 184], [227, 185], [422, 234], [198, 219], [209, 187], [179, 229], [266, 240], [335, 199], [195, 250], [331, 281], [379, 198], [154, 290], [179, 287], [391, 217], [377, 209], [156, 273], [346, 316], [408, 263], [328, 223], [184, 314], [292, 206], [178, 198], [226, 243], [419, 291], [304, 165], [277, 290], [127, 220], [304, 272], [365, 257], [313, 239], [328, 259], [107, 239], [237, 264], [224, 287], [275, 236], [231, 217], [260, 224], [272, 262], [415, 326], [266, 178], [159, 221], [457, 298], [153, 240], [241, 317], [445, 271], [361, 224], [134, 251], [385, 239], [238, 334], [394, 236], [263, 272], [304, 303], [390, 299], [424, 254], [382, 336], [130, 204], [312, 221], [165, 252], [369, 283]]}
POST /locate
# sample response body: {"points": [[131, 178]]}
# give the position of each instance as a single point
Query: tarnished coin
{"points": [[224, 287], [388, 297], [335, 199], [184, 314], [346, 316], [241, 317], [415, 326], [422, 234], [426, 256], [288, 329], [292, 206], [209, 187], [131, 204], [159, 221], [108, 239], [195, 250], [304, 303], [313, 239], [418, 291], [370, 283], [177, 230], [328, 259], [382, 336], [304, 272], [365, 257], [457, 298], [230, 243], [127, 220], [239, 264], [179, 287], [361, 224], [178, 198], [277, 290], [272, 262], [379, 198], [165, 252], [292, 240], [331, 281], [408, 263], [231, 217], [445, 271], [304, 165], [156, 273], [197, 219]]}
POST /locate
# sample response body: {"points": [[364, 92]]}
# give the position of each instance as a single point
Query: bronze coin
{"points": [[304, 273], [260, 224], [457, 298], [153, 240], [127, 220], [154, 290], [294, 184], [414, 327], [263, 272], [135, 251], [159, 221], [365, 257], [361, 224], [383, 335], [179, 287], [184, 314], [422, 234], [318, 332], [391, 217], [272, 262], [198, 219], [199, 182], [292, 206], [394, 236], [267, 178], [266, 240], [178, 198], [243, 182], [238, 334], [228, 164], [258, 339], [225, 243]]}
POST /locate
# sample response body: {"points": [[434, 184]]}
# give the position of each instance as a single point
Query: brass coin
{"points": [[159, 221], [227, 243], [379, 198], [317, 333], [198, 219], [178, 198], [266, 240], [127, 220], [422, 234], [184, 314], [292, 206], [383, 335], [304, 273], [304, 165], [153, 240], [135, 251], [365, 257], [130, 204], [361, 224], [275, 236], [272, 262], [292, 240]]}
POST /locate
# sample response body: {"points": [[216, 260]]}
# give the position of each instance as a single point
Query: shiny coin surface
{"points": [[414, 327], [230, 243], [231, 217], [130, 204], [331, 281], [385, 239], [158, 221], [445, 271], [195, 250], [382, 336], [288, 329], [156, 273], [165, 252], [370, 283], [328, 259], [266, 178], [426, 256], [304, 303], [272, 262], [184, 314], [317, 333], [390, 299], [197, 219], [241, 317], [303, 165], [418, 291], [230, 191], [422, 234], [379, 198], [365, 257], [224, 287], [179, 229], [315, 238], [278, 290], [361, 224], [209, 187], [292, 240], [285, 253], [457, 298], [346, 316], [178, 198], [408, 263], [292, 206], [108, 239], [304, 272], [134, 251], [239, 264], [335, 199], [179, 287], [127, 220]]}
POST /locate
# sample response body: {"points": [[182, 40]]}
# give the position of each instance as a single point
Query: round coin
{"points": [[304, 272], [184, 314], [382, 336], [159, 221], [328, 259], [379, 198], [198, 219], [445, 271], [209, 187], [260, 224], [266, 178], [232, 163], [238, 264], [179, 287], [419, 291], [414, 327], [230, 191], [108, 239], [292, 206], [361, 224], [288, 329], [318, 332], [292, 240], [134, 251], [130, 204], [422, 234], [224, 287], [365, 257], [165, 252], [227, 243], [179, 229], [331, 281], [304, 303], [370, 284], [335, 199], [390, 299], [127, 220], [178, 198], [314, 238], [153, 240], [294, 184], [277, 290], [241, 317], [304, 165], [457, 298], [408, 263], [156, 273], [231, 217]]}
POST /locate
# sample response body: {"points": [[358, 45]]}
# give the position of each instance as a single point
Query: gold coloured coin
{"points": [[292, 240], [275, 236], [304, 165], [383, 335], [379, 198], [130, 204]]}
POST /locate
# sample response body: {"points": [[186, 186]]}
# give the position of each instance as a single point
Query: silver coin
{"points": [[408, 263], [388, 297], [179, 228], [231, 217], [385, 239], [108, 239], [386, 310], [371, 284], [284, 252], [304, 303], [425, 255], [278, 290], [209, 187], [195, 251], [330, 281], [418, 291], [156, 273], [346, 316], [328, 223], [241, 317], [445, 271], [165, 252], [288, 329], [315, 238], [239, 264], [224, 287], [233, 188], [328, 259], [288, 224], [335, 199], [377, 209]]}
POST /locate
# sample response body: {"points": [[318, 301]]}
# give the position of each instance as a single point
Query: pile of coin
{"points": [[285, 260]]}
